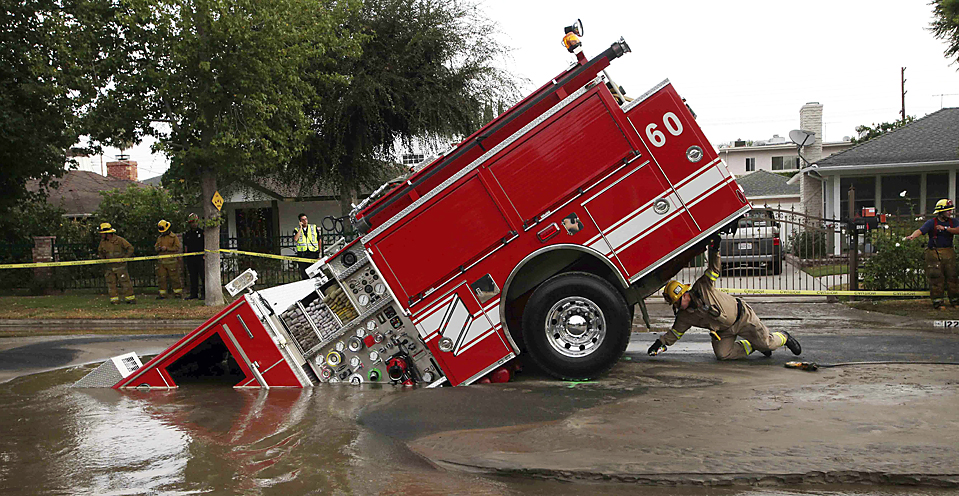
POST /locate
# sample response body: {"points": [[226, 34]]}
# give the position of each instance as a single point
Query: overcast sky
{"points": [[745, 67]]}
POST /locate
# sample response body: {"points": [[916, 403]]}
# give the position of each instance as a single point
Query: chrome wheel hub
{"points": [[575, 326]]}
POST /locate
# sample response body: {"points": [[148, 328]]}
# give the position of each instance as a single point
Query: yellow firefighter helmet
{"points": [[106, 228], [674, 291], [944, 205], [163, 226]]}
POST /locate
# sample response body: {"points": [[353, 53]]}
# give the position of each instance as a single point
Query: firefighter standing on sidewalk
{"points": [[726, 317], [940, 254], [193, 243], [168, 268], [307, 242], [113, 246]]}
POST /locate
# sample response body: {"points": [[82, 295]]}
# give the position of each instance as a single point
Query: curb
{"points": [[100, 323], [718, 479]]}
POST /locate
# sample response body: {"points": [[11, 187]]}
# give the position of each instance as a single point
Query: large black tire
{"points": [[589, 330]]}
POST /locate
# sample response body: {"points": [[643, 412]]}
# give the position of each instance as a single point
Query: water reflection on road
{"points": [[60, 440]]}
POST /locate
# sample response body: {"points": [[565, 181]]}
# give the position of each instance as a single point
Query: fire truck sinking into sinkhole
{"points": [[537, 234]]}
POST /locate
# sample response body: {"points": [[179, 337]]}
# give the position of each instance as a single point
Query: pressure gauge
{"points": [[371, 325], [340, 346], [374, 356], [379, 288], [427, 377], [364, 300], [360, 332], [355, 362]]}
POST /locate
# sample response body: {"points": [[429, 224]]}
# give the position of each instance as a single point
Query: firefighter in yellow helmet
{"points": [[727, 318], [168, 269], [117, 275], [940, 254]]}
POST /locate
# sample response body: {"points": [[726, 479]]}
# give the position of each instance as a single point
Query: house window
{"points": [[750, 164], [937, 188], [865, 194], [412, 158], [785, 163], [894, 201], [254, 229]]}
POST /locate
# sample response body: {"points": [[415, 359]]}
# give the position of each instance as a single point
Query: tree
{"points": [[135, 211], [48, 54], [867, 133], [945, 25], [427, 71], [222, 85]]}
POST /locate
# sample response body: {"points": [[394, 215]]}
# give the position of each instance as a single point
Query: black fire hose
{"points": [[813, 366]]}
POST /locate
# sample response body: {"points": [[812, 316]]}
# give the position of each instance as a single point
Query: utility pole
{"points": [[903, 111]]}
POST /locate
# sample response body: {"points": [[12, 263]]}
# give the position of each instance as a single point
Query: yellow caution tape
{"points": [[267, 255], [36, 265], [93, 262], [823, 292]]}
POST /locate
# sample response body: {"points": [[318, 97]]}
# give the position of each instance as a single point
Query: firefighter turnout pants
{"points": [[119, 284], [941, 274], [169, 272], [753, 336]]}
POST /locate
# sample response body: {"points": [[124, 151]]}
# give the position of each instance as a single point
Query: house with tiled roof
{"points": [[763, 188], [902, 172], [78, 193]]}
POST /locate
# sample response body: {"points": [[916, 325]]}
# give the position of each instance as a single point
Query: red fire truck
{"points": [[537, 234]]}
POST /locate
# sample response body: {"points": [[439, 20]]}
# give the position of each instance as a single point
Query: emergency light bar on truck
{"points": [[537, 234]]}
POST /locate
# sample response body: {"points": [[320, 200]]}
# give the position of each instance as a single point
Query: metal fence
{"points": [[143, 273], [776, 249]]}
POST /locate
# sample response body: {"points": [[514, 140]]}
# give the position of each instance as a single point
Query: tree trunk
{"points": [[211, 240]]}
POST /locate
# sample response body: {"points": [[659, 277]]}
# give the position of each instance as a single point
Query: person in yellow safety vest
{"points": [[726, 317], [168, 269], [307, 242], [113, 246]]}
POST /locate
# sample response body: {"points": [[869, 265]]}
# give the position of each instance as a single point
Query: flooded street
{"points": [[327, 440]]}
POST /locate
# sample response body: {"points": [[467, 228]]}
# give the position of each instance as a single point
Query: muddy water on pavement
{"points": [[204, 439]]}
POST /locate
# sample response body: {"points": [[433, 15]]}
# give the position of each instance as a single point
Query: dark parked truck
{"points": [[537, 234], [755, 243]]}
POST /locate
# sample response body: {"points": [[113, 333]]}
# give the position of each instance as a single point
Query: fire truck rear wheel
{"points": [[576, 326]]}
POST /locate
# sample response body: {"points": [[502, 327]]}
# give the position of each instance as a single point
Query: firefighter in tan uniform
{"points": [[113, 246], [168, 269], [727, 318]]}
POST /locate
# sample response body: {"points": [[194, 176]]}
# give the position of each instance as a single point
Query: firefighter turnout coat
{"points": [[726, 317], [117, 276]]}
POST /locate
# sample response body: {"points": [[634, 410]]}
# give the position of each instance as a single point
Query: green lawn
{"points": [[826, 270], [86, 305], [919, 308]]}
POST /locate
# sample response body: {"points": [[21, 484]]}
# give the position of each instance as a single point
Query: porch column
{"points": [[878, 193], [952, 184], [922, 194], [837, 214]]}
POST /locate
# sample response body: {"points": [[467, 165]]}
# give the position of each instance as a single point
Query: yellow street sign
{"points": [[217, 201]]}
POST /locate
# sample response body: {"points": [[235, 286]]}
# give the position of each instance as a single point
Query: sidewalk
{"points": [[714, 425]]}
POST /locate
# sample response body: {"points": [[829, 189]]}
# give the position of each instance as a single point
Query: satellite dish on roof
{"points": [[802, 137]]}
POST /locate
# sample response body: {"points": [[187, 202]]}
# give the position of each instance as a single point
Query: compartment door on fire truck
{"points": [[426, 259], [458, 331], [677, 146], [640, 218]]}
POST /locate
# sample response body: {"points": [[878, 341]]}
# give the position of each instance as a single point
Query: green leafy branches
{"points": [[945, 25]]}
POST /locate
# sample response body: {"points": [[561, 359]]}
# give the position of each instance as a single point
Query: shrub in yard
{"points": [[808, 243], [896, 264]]}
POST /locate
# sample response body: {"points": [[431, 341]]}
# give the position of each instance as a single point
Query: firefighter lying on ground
{"points": [[726, 317], [940, 255]]}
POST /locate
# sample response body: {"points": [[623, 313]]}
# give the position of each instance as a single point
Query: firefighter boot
{"points": [[792, 344]]}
